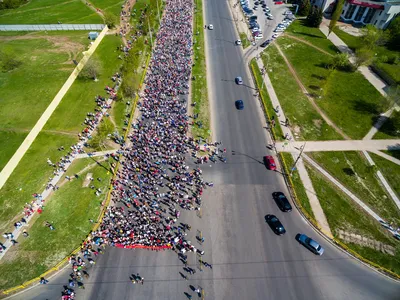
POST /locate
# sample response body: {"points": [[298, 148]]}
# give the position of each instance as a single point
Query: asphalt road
{"points": [[249, 260]]}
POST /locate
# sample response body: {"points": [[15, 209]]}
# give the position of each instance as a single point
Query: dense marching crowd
{"points": [[154, 183]]}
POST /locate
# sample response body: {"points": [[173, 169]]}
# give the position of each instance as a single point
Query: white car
{"points": [[211, 27], [278, 29], [259, 37], [275, 35], [270, 17], [238, 42]]}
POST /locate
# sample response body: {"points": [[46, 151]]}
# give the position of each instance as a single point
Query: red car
{"points": [[270, 162]]}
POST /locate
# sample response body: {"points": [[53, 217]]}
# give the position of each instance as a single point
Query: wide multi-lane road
{"points": [[249, 261]]}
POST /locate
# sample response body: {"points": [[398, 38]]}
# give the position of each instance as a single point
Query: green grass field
{"points": [[390, 129], [344, 96], [69, 210], [304, 119], [353, 171], [343, 213], [390, 171], [199, 85], [244, 40], [46, 62], [112, 6], [51, 12]]}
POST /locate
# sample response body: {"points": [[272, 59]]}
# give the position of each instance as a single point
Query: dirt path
{"points": [[124, 20], [92, 7], [307, 43], [304, 90]]}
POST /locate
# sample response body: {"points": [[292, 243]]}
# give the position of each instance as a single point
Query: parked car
{"points": [[211, 27], [282, 202], [265, 43], [310, 244], [275, 224], [239, 104], [239, 80], [238, 42], [270, 17], [270, 162], [259, 36]]}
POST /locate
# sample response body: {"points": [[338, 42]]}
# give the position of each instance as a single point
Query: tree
{"points": [[394, 33], [110, 19], [314, 17], [340, 61], [336, 15], [363, 56], [304, 7], [129, 86], [105, 128], [372, 37], [8, 61], [91, 70]]}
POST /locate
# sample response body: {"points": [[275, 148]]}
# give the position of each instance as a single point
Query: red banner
{"points": [[366, 4]]}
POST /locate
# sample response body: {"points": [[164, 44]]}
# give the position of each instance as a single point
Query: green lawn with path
{"points": [[391, 128], [304, 119], [245, 41], [46, 63], [347, 98], [390, 171], [51, 12], [111, 6], [69, 210], [342, 213], [352, 170], [394, 153]]}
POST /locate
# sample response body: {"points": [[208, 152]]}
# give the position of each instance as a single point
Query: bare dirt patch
{"points": [[88, 179]]}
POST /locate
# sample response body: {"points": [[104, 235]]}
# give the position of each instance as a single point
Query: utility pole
{"points": [[297, 159]]}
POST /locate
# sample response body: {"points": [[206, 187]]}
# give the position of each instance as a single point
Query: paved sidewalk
{"points": [[15, 159], [388, 157], [382, 119], [353, 145], [374, 79], [94, 154]]}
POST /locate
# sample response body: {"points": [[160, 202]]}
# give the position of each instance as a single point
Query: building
{"points": [[362, 12]]}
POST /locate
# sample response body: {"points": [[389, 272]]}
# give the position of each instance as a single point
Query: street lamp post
{"points": [[297, 159]]}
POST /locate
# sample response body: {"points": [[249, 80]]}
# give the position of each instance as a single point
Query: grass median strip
{"points": [[245, 41], [201, 128], [390, 171], [69, 211], [343, 214], [268, 107], [354, 172], [305, 121]]}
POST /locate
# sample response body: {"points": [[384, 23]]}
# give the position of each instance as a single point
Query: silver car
{"points": [[310, 244]]}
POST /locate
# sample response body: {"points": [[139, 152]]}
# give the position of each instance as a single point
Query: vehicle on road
{"points": [[239, 80], [310, 244], [259, 37], [282, 202], [253, 18], [270, 17], [275, 35], [211, 27], [239, 104], [275, 224], [238, 42], [265, 43], [270, 162]]}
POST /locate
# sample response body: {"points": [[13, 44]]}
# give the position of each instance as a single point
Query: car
{"points": [[275, 35], [263, 5], [270, 162], [253, 18], [211, 27], [270, 17], [310, 244], [259, 37], [275, 224], [254, 26], [239, 104], [265, 43], [239, 80], [256, 29], [282, 202], [255, 8], [256, 3], [279, 29], [238, 42]]}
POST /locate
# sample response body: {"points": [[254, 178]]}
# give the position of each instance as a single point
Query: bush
{"points": [[8, 62], [91, 70], [394, 33], [10, 4], [393, 60], [314, 17], [110, 20], [304, 7]]}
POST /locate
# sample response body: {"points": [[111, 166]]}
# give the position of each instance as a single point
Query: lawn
{"points": [[111, 6], [199, 84], [69, 210], [245, 41], [353, 171], [268, 107], [390, 171], [311, 35], [305, 121], [80, 98], [298, 185], [354, 42], [51, 12], [394, 153], [31, 175], [391, 128], [46, 63], [347, 98], [343, 213]]}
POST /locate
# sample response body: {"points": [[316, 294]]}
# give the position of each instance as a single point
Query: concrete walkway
{"points": [[374, 79], [95, 154], [15, 159], [353, 145], [386, 156], [312, 196], [382, 119]]}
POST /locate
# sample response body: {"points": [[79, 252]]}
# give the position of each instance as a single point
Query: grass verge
{"points": [[69, 210], [245, 41], [342, 213], [344, 96], [390, 171], [199, 84], [305, 121], [353, 171]]}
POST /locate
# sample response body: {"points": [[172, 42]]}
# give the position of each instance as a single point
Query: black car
{"points": [[282, 201], [266, 43], [275, 224], [239, 104]]}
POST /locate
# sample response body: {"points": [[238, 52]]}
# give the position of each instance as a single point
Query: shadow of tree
{"points": [[394, 153], [392, 127], [348, 171]]}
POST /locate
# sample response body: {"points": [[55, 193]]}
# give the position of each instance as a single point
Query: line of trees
{"points": [[10, 4]]}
